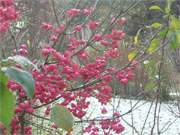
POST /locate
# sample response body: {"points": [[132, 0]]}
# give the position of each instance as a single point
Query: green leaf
{"points": [[155, 8], [169, 3], [4, 62], [156, 25], [3, 78], [163, 33], [132, 55], [153, 46], [23, 61], [136, 38], [29, 43], [22, 77], [150, 86], [178, 37], [62, 117], [175, 39], [167, 10], [7, 102], [174, 32], [174, 24], [174, 42]]}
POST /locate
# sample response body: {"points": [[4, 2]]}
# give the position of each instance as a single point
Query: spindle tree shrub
{"points": [[67, 75]]}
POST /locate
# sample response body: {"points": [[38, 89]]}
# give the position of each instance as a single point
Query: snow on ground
{"points": [[167, 121]]}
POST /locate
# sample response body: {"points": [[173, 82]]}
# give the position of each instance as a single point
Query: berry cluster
{"points": [[8, 13], [15, 125], [22, 50], [74, 12], [107, 126], [68, 74]]}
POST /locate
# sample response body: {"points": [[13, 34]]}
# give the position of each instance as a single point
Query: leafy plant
{"points": [[8, 99]]}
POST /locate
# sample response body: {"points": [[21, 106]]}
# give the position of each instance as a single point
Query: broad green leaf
{"points": [[175, 39], [155, 8], [174, 32], [62, 117], [23, 61], [132, 55], [156, 25], [153, 46], [3, 78], [22, 77], [7, 102], [174, 24]]}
